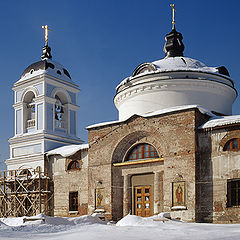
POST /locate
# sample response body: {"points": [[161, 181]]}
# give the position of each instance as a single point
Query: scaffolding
{"points": [[25, 192]]}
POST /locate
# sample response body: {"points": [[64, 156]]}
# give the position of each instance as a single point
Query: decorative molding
{"points": [[29, 89], [62, 91], [138, 162], [176, 84]]}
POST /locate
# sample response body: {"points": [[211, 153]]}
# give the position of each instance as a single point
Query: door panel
{"points": [[143, 201]]}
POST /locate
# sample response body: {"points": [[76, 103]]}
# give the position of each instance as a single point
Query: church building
{"points": [[175, 147]]}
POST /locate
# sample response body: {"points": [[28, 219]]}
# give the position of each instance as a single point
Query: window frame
{"points": [[229, 145], [142, 153], [73, 201], [73, 162], [233, 193], [59, 113]]}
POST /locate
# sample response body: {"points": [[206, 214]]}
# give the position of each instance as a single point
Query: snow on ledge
{"points": [[178, 207], [68, 150], [221, 121], [158, 112]]}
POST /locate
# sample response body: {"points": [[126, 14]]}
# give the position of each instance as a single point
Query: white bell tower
{"points": [[45, 105]]}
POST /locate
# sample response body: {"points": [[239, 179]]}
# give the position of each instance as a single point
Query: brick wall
{"points": [[66, 181], [173, 136]]}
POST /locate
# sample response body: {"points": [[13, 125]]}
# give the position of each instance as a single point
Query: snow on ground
{"points": [[130, 227]]}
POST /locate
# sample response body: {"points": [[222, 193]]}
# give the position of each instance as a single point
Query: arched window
{"points": [[31, 107], [142, 151], [73, 165], [59, 113], [232, 145], [30, 110], [144, 68]]}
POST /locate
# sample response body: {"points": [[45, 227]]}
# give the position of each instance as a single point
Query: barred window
{"points": [[233, 193], [142, 151]]}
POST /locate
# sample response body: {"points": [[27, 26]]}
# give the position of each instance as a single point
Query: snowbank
{"points": [[86, 220], [164, 215], [132, 220], [43, 219], [2, 224], [12, 221], [88, 228]]}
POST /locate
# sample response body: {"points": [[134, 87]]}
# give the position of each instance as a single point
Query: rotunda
{"points": [[175, 81]]}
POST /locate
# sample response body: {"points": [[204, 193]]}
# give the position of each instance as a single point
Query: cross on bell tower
{"points": [[46, 109], [46, 49]]}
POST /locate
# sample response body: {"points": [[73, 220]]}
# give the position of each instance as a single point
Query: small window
{"points": [[73, 201], [144, 68], [232, 145], [73, 165], [233, 193], [59, 113], [58, 72], [142, 151]]}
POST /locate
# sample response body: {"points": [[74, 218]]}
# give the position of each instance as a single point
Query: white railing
{"points": [[30, 123], [59, 124]]}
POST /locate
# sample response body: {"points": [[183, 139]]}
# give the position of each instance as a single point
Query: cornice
{"points": [[170, 84], [44, 136]]}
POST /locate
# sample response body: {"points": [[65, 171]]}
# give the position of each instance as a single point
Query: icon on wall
{"points": [[99, 198], [179, 194]]}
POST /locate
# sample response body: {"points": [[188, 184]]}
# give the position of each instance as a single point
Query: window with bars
{"points": [[232, 145], [233, 193], [73, 201], [73, 165], [142, 151]]}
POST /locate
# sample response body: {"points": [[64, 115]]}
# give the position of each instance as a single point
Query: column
{"points": [[126, 195], [158, 198]]}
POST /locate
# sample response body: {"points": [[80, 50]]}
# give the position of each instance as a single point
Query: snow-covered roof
{"points": [[47, 66], [68, 150], [221, 121], [173, 64], [182, 63], [162, 111]]}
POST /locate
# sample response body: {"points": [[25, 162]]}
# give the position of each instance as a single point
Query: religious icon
{"points": [[179, 194], [99, 198]]}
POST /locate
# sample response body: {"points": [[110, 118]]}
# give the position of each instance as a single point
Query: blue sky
{"points": [[101, 42]]}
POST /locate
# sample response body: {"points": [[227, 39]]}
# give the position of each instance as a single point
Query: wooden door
{"points": [[143, 201]]}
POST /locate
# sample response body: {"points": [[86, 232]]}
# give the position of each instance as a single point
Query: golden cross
{"points": [[46, 34], [173, 16]]}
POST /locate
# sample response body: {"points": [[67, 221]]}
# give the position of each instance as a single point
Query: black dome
{"points": [[37, 66], [44, 65]]}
